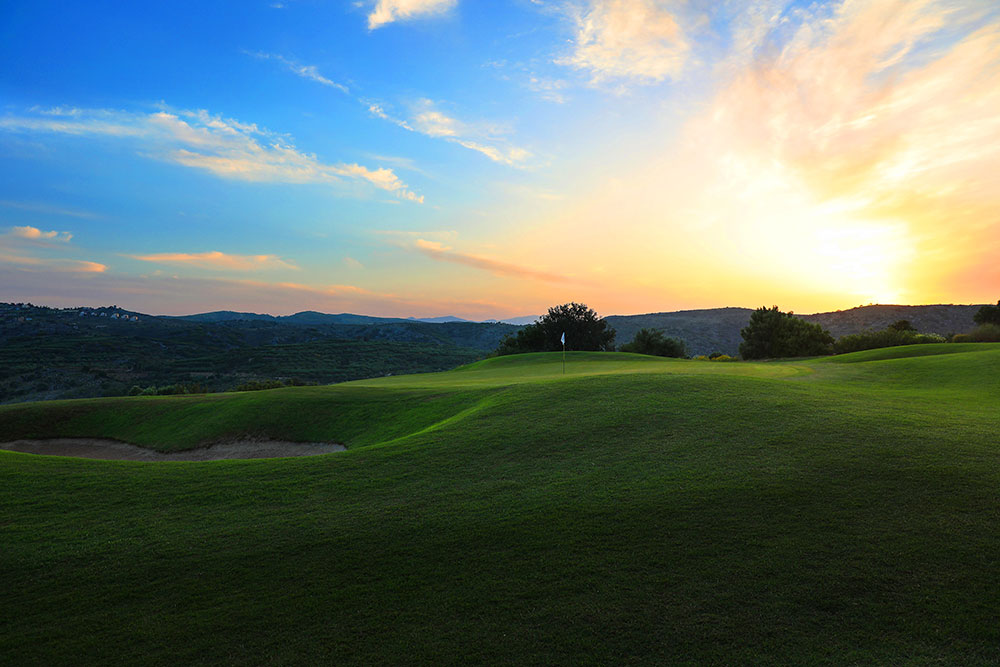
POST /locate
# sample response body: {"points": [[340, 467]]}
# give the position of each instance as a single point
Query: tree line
{"points": [[770, 334]]}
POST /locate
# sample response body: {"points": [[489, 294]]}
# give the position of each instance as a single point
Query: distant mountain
{"points": [[306, 317], [223, 316], [438, 320], [314, 317], [520, 321]]}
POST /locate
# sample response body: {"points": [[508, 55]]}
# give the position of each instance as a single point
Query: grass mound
{"points": [[632, 510], [907, 351]]}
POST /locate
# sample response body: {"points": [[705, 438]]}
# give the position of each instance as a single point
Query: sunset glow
{"points": [[487, 160]]}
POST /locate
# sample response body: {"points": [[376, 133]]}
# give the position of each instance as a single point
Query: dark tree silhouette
{"points": [[584, 330], [988, 315], [772, 333]]}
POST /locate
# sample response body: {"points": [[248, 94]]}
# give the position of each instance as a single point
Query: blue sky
{"points": [[489, 159]]}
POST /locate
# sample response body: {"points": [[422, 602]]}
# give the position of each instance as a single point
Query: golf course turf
{"points": [[634, 510]]}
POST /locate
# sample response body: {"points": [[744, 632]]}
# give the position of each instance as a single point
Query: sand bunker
{"points": [[93, 448]]}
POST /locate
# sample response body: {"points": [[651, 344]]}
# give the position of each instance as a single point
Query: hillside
{"points": [[718, 329], [940, 319], [703, 331], [632, 510], [48, 353]]}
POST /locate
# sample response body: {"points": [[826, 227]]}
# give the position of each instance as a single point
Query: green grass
{"points": [[633, 510]]}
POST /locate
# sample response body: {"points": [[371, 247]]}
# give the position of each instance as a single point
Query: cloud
{"points": [[638, 40], [310, 72], [387, 11], [441, 252], [887, 109], [427, 119], [218, 260], [50, 264], [224, 147], [35, 234], [851, 147]]}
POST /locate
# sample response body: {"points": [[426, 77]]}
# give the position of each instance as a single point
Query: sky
{"points": [[489, 159]]}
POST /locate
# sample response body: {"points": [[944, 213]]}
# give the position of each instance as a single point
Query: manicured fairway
{"points": [[633, 510]]}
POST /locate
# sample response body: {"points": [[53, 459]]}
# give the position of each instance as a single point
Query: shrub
{"points": [[772, 333], [984, 333], [653, 342], [901, 325], [891, 337], [259, 385], [988, 315]]}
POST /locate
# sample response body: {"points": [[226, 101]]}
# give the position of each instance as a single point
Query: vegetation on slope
{"points": [[636, 509], [48, 353]]}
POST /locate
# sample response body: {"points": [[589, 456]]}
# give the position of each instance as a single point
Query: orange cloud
{"points": [[35, 234], [387, 11], [441, 252], [218, 260], [58, 265]]}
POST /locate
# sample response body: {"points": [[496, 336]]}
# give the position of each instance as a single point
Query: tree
{"points": [[654, 342], [772, 333], [988, 315], [584, 330], [901, 325]]}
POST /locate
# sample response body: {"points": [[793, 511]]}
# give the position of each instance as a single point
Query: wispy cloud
{"points": [[439, 251], [224, 147], [52, 264], [310, 72], [636, 40], [35, 234], [387, 11], [218, 260], [427, 119]]}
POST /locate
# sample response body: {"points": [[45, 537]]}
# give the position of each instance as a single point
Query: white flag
{"points": [[563, 338]]}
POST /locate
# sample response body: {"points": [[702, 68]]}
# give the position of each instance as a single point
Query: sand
{"points": [[94, 448]]}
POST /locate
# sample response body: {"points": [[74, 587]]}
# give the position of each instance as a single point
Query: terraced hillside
{"points": [[631, 510]]}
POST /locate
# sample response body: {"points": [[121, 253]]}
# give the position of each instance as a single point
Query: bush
{"points": [[985, 333], [901, 325], [988, 315], [772, 333], [891, 337], [653, 342], [259, 385], [583, 328]]}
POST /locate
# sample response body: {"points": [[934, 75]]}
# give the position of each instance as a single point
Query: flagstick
{"points": [[564, 358]]}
